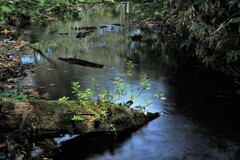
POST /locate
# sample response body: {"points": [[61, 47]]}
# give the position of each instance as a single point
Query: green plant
{"points": [[144, 84], [64, 99], [120, 90], [211, 28], [112, 128], [95, 88], [5, 8], [147, 102], [83, 96], [104, 95], [5, 96], [130, 73], [15, 11], [160, 96], [157, 9], [77, 118]]}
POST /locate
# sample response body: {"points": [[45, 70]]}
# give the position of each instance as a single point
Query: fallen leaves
{"points": [[12, 46], [15, 59], [6, 49], [5, 31], [18, 45], [35, 94], [7, 62]]}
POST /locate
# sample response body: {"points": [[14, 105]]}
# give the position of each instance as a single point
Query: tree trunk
{"points": [[45, 117]]}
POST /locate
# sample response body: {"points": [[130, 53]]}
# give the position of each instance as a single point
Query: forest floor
{"points": [[12, 69]]}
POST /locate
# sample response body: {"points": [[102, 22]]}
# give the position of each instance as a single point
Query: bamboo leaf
{"points": [[233, 56], [186, 43], [6, 9], [219, 44], [234, 20], [221, 11]]}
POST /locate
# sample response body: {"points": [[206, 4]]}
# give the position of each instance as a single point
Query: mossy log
{"points": [[45, 117]]}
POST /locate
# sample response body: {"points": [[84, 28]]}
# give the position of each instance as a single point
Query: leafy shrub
{"points": [[212, 27]]}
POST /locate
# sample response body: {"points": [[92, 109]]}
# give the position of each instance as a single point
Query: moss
{"points": [[53, 107], [6, 103], [57, 116]]}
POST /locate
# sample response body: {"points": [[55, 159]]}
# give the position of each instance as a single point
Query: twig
{"points": [[51, 8], [95, 7], [53, 145], [24, 116]]}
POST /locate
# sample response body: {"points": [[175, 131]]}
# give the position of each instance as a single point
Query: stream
{"points": [[199, 114]]}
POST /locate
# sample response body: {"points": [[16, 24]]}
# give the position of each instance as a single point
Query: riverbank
{"points": [[168, 133], [25, 120], [12, 70]]}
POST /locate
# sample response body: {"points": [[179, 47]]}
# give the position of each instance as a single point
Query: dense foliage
{"points": [[20, 12], [210, 27], [15, 12]]}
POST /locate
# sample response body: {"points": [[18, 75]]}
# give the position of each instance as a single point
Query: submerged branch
{"points": [[81, 62]]}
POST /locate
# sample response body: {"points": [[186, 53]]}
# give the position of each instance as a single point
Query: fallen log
{"points": [[81, 62], [47, 117]]}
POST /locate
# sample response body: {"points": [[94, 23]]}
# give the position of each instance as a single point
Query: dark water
{"points": [[199, 109]]}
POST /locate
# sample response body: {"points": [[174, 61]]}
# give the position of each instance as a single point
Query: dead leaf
{"points": [[20, 157], [15, 59], [34, 94], [5, 31], [3, 145]]}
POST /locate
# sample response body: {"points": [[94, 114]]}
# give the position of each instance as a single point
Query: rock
{"points": [[81, 35], [63, 34], [117, 24], [90, 28], [104, 26], [10, 80], [20, 157], [158, 25], [64, 138], [37, 152], [137, 35], [3, 156], [9, 86]]}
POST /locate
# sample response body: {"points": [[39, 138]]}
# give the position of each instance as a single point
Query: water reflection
{"points": [[109, 28], [31, 59], [168, 137]]}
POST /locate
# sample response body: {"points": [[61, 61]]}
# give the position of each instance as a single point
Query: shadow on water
{"points": [[85, 146], [208, 97], [199, 107]]}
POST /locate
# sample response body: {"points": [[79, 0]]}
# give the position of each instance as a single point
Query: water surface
{"points": [[198, 112]]}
